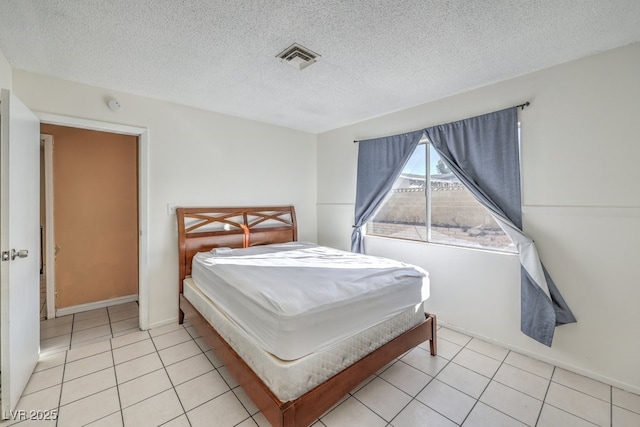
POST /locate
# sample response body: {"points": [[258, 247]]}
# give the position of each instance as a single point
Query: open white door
{"points": [[19, 246]]}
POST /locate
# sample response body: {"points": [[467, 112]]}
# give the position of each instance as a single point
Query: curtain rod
{"points": [[526, 104]]}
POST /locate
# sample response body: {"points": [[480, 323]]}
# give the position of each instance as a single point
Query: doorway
{"points": [[95, 205], [141, 160]]}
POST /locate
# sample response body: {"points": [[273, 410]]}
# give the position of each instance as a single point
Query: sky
{"points": [[417, 164]]}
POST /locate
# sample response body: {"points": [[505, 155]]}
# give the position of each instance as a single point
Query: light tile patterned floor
{"points": [[168, 376], [80, 329]]}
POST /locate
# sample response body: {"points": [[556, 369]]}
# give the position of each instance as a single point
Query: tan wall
{"points": [[95, 215]]}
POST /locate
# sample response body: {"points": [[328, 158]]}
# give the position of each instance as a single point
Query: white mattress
{"points": [[294, 299], [289, 380]]}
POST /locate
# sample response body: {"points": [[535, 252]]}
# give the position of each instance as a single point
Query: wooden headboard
{"points": [[202, 229]]}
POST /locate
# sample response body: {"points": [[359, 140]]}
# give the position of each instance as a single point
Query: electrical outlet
{"points": [[171, 208]]}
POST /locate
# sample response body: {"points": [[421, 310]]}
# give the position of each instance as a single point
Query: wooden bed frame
{"points": [[249, 226]]}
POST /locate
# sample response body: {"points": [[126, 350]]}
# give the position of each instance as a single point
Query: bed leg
{"points": [[433, 343]]}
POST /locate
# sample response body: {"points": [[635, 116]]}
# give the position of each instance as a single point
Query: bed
{"points": [[291, 380]]}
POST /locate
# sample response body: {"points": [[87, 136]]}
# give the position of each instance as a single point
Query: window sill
{"points": [[409, 242]]}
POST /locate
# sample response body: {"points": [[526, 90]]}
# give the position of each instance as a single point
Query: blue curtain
{"points": [[380, 161], [483, 153]]}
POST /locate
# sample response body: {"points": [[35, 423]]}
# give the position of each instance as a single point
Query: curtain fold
{"points": [[483, 153], [380, 161]]}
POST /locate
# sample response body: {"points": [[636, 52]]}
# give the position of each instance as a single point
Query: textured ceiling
{"points": [[376, 56]]}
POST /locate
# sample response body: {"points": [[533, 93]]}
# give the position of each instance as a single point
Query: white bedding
{"points": [[289, 380], [294, 299]]}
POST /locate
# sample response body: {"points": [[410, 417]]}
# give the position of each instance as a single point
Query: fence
{"points": [[456, 217]]}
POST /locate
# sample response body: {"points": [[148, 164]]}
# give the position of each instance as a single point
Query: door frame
{"points": [[49, 248], [143, 203]]}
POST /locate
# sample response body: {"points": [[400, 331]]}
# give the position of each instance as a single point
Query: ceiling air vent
{"points": [[298, 56]]}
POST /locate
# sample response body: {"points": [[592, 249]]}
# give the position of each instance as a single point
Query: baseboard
{"points": [[164, 323], [94, 305]]}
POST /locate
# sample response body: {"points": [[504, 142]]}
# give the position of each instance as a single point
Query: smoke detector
{"points": [[114, 104], [298, 56]]}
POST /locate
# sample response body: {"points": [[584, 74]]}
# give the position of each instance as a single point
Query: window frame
{"points": [[428, 220]]}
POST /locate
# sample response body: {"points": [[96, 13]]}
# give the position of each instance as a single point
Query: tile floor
{"points": [[74, 330], [168, 376], [80, 329]]}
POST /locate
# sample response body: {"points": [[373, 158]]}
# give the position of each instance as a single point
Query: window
{"points": [[428, 203]]}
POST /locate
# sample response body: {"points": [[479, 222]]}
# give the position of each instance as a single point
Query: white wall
{"points": [[5, 73], [196, 158], [581, 205]]}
